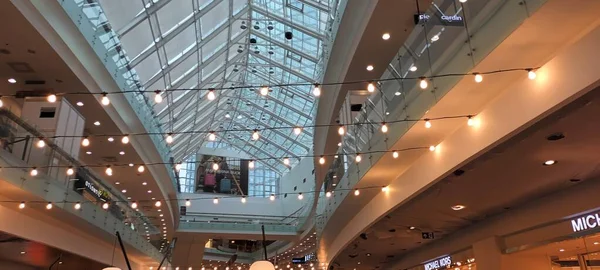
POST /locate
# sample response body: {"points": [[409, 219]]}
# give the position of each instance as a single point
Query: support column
{"points": [[488, 256]]}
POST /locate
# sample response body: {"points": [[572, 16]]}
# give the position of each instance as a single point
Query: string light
{"points": [[108, 170], [211, 136], [395, 154], [341, 130], [478, 77], [470, 121], [22, 205], [105, 101], [385, 189], [134, 205], [33, 172], [125, 139], [41, 143], [216, 200], [531, 74], [158, 97], [371, 87], [211, 94], [432, 148], [215, 166], [243, 199], [77, 206], [272, 197], [384, 127], [49, 206], [264, 90], [85, 142], [300, 196], [358, 158], [157, 204], [178, 166], [427, 123], [328, 194], [1, 102], [286, 161], [322, 160], [188, 202], [51, 98], [251, 164], [255, 135], [356, 192], [169, 138], [70, 171], [316, 90], [297, 130], [105, 206], [423, 84], [141, 169]]}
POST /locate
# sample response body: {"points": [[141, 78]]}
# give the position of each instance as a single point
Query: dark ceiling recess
{"points": [[4, 51], [459, 172], [556, 136], [20, 67], [355, 107]]}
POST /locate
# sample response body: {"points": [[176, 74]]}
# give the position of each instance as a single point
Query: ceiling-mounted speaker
{"points": [[289, 35]]}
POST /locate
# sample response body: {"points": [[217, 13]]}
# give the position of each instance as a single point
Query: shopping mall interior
{"points": [[299, 134]]}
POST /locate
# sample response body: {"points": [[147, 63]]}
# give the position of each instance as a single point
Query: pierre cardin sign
{"points": [[442, 262], [586, 222]]}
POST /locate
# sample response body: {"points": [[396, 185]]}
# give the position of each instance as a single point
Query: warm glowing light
{"points": [[251, 164], [85, 142], [462, 1], [300, 196], [531, 74], [478, 78], [328, 194], [134, 205], [395, 154], [157, 204], [317, 90], [549, 162], [423, 84], [432, 148], [211, 94], [384, 127], [111, 139], [356, 192], [272, 197], [255, 135], [470, 121], [243, 199], [385, 189], [188, 202], [22, 205], [358, 158], [12, 80], [125, 139], [370, 67], [105, 101], [412, 68], [33, 172], [109, 171], [51, 98], [322, 160], [341, 130], [286, 161], [41, 143], [264, 90], [385, 36], [70, 171], [158, 97], [178, 166], [427, 123], [77, 206], [212, 136], [49, 206], [216, 200], [105, 206], [1, 102], [141, 169], [297, 130], [215, 166], [371, 87], [169, 138]]}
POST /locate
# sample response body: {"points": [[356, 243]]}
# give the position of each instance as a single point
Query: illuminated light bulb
{"points": [[255, 135], [41, 143], [328, 194], [412, 68], [423, 84], [188, 202], [470, 121], [12, 80], [70, 171], [385, 189], [384, 127], [395, 154], [211, 94], [300, 196], [251, 164], [22, 205], [178, 166], [216, 200], [531, 74], [169, 138], [356, 192], [1, 103], [215, 166], [212, 136], [322, 160], [371, 87], [478, 77], [317, 90], [105, 101], [264, 90], [432, 148], [49, 206], [286, 161], [134, 205], [157, 204], [385, 36], [427, 123], [341, 130], [297, 130], [108, 171], [141, 169], [370, 68], [111, 139], [358, 158], [272, 197], [77, 206], [33, 172], [158, 97], [125, 139], [243, 199], [85, 142], [51, 98], [105, 206], [462, 1]]}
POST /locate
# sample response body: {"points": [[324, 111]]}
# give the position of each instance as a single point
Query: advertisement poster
{"points": [[231, 176]]}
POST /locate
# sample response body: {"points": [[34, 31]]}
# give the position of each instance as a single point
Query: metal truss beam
{"points": [[283, 135], [283, 67], [284, 46], [299, 27]]}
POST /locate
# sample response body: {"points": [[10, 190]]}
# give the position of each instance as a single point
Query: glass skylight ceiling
{"points": [[182, 44]]}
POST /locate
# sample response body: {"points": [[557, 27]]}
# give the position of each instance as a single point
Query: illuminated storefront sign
{"points": [[443, 262], [585, 222]]}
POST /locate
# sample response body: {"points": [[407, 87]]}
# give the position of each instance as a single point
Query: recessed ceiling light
{"points": [[111, 139], [144, 183], [412, 68], [239, 116], [412, 227], [117, 183], [370, 67], [435, 38], [561, 250], [124, 191], [79, 103], [89, 152], [23, 252], [130, 164], [339, 144], [129, 198], [149, 191], [387, 113], [97, 123], [458, 207], [549, 162], [386, 36], [596, 243], [122, 153], [12, 80]]}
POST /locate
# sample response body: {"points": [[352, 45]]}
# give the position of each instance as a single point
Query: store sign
{"points": [[90, 188], [439, 18], [586, 222], [443, 262], [298, 260]]}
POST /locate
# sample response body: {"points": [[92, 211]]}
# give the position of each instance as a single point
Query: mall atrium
{"points": [[300, 134]]}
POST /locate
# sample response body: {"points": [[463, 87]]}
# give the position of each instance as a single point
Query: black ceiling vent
{"points": [[35, 82], [556, 136], [356, 107]]}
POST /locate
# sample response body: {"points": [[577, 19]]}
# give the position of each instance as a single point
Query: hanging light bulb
{"points": [[22, 205], [33, 171], [51, 98], [49, 206], [188, 202], [356, 192], [141, 169], [300, 196], [427, 123], [211, 94], [272, 197], [158, 97], [215, 166], [478, 77], [105, 206], [251, 164], [70, 171], [470, 121], [264, 90], [255, 135], [1, 103], [178, 166], [216, 200], [385, 189], [212, 136], [322, 160], [341, 130], [85, 142], [358, 158], [297, 130], [77, 206], [432, 148], [384, 127], [157, 204], [423, 84], [371, 87], [395, 154], [317, 90], [169, 138], [328, 194], [125, 139], [286, 161], [108, 170], [531, 74], [41, 143], [105, 101], [134, 205], [243, 199]]}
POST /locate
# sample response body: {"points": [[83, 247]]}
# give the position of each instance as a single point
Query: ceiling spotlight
{"points": [[212, 136], [370, 67], [385, 36], [384, 127], [188, 202], [531, 74], [478, 77], [85, 142], [395, 154], [125, 139], [371, 87], [111, 139], [264, 90], [124, 191], [458, 207], [412, 68], [79, 103], [158, 97], [70, 171], [88, 152], [169, 138], [341, 130], [423, 84], [51, 98], [549, 162], [462, 1], [105, 101], [317, 90], [211, 94], [157, 204], [397, 93], [561, 250], [12, 80], [122, 153], [141, 169]]}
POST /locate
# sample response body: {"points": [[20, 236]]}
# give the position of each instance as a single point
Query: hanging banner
{"points": [[231, 176]]}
